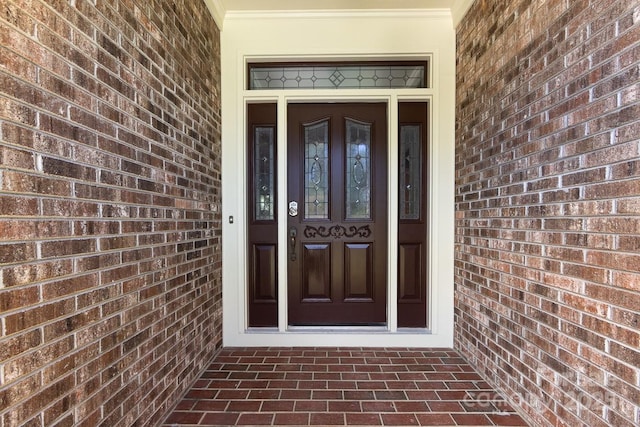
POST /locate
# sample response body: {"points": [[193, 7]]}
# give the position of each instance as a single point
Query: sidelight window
{"points": [[264, 167], [410, 175]]}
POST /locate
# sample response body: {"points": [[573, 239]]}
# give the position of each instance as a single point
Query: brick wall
{"points": [[548, 206], [110, 269]]}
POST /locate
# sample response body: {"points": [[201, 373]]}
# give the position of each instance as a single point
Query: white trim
{"points": [[332, 338], [337, 13], [283, 280], [392, 213], [217, 11], [459, 9]]}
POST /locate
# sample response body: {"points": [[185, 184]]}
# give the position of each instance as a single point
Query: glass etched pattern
{"points": [[264, 168], [358, 167], [410, 172], [316, 171], [337, 76]]}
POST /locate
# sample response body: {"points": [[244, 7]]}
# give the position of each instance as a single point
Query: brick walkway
{"points": [[341, 386]]}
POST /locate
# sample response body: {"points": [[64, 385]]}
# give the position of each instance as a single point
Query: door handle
{"points": [[292, 243]]}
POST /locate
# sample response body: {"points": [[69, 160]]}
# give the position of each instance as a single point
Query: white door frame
{"points": [[238, 49]]}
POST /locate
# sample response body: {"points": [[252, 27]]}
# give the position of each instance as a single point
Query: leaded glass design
{"points": [[338, 76], [410, 172], [264, 167], [358, 168], [316, 171]]}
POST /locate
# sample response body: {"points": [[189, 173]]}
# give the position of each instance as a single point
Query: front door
{"points": [[337, 216]]}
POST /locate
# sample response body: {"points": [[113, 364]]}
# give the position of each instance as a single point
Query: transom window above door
{"points": [[339, 75]]}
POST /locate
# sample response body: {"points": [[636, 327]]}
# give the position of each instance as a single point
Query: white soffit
{"points": [[219, 8]]}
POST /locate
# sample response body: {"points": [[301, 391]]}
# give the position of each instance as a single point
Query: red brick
{"points": [[29, 363], [54, 161], [629, 243], [17, 206], [326, 419], [218, 419], [36, 315], [186, 417], [612, 260], [297, 419], [255, 419], [68, 247], [399, 420], [13, 299], [593, 274], [580, 167], [24, 274], [626, 280], [13, 158], [19, 344], [17, 252], [434, 419], [66, 208], [18, 182]]}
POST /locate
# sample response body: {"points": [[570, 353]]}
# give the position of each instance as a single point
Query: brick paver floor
{"points": [[341, 386]]}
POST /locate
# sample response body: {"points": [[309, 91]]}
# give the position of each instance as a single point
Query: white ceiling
{"points": [[220, 8], [281, 5]]}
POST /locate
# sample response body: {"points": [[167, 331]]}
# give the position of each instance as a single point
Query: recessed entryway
{"points": [[387, 275]]}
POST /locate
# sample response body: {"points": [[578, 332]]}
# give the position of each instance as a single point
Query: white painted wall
{"points": [[323, 35]]}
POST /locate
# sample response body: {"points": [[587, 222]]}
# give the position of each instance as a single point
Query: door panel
{"points": [[358, 271], [262, 222], [410, 261], [337, 175], [413, 218], [264, 258], [316, 273]]}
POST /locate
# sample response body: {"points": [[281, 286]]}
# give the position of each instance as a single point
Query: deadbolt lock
{"points": [[293, 208]]}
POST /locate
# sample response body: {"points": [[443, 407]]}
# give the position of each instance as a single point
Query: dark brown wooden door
{"points": [[337, 219], [412, 214], [262, 225]]}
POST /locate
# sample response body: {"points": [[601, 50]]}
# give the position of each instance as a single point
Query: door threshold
{"points": [[339, 329], [372, 336]]}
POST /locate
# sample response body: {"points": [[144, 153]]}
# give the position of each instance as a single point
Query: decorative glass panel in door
{"points": [[316, 170], [358, 185]]}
